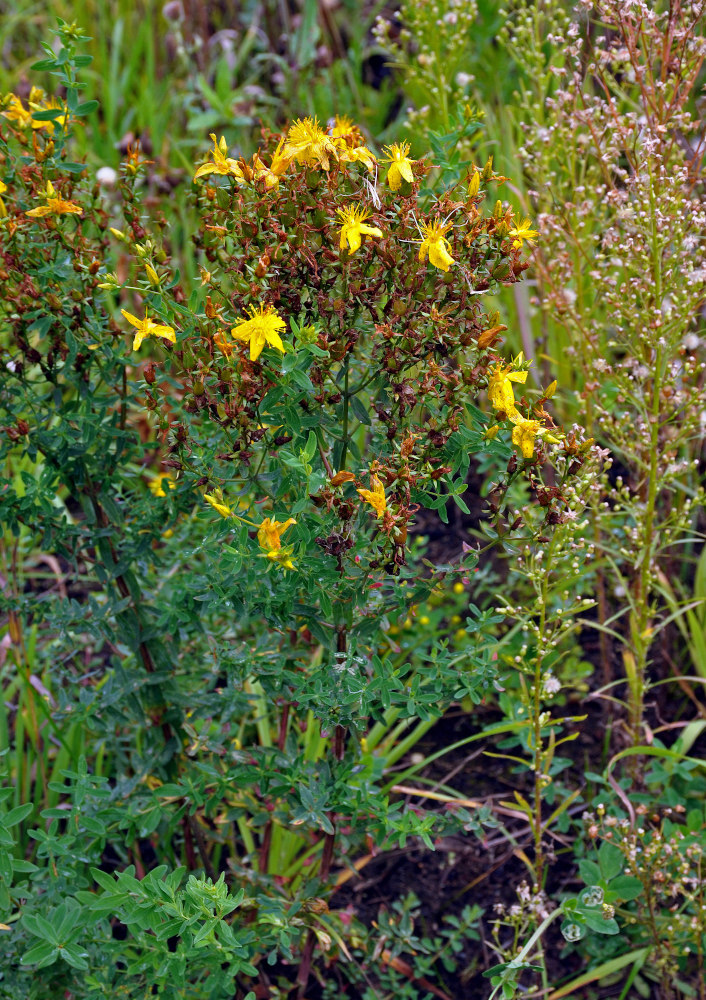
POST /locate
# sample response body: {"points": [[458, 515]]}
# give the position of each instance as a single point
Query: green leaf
{"points": [[23, 866], [589, 872], [310, 447], [86, 108], [627, 887], [610, 859], [360, 411], [40, 927], [41, 955], [601, 926], [104, 880], [50, 115], [73, 957]]}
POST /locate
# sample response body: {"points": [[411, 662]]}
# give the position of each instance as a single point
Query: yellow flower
{"points": [[282, 556], [400, 165], [15, 111], [55, 205], [350, 143], [500, 391], [436, 245], [221, 163], [307, 143], [157, 484], [523, 232], [523, 434], [148, 328], [218, 503], [37, 102], [3, 210], [269, 533], [269, 536], [271, 174], [260, 329], [376, 496], [343, 126], [359, 154], [353, 228]]}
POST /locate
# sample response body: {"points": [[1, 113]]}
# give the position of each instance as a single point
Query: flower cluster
{"points": [[319, 326], [23, 117], [502, 398]]}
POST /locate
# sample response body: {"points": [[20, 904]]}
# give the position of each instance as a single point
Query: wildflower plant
{"points": [[233, 473], [619, 272]]}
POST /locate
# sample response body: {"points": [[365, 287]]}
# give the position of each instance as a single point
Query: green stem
{"points": [[642, 604], [346, 399], [523, 954], [537, 714]]}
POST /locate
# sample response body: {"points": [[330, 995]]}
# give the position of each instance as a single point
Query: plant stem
{"points": [[346, 398], [640, 618]]}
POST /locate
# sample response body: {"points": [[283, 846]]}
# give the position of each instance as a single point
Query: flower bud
{"points": [[152, 275]]}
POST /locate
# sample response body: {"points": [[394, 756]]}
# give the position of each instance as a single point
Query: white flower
{"points": [[107, 177]]}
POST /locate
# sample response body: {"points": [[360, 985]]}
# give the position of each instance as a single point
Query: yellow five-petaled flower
{"points": [[353, 228], [521, 232], [376, 496], [435, 244], [350, 143], [400, 165], [269, 536], [148, 328], [55, 205], [262, 328], [307, 143], [220, 162]]}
